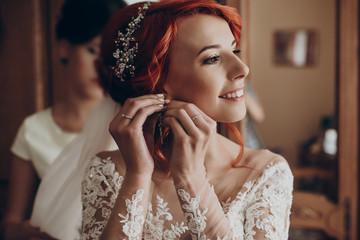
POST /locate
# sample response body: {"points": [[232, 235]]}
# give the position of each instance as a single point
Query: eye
{"points": [[212, 60], [237, 51], [92, 50]]}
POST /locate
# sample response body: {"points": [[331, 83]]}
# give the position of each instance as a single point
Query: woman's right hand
{"points": [[132, 138], [24, 230]]}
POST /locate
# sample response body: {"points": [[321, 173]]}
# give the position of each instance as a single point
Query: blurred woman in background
{"points": [[43, 135]]}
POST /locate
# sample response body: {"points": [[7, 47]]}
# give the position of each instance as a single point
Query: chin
{"points": [[231, 118], [240, 115]]}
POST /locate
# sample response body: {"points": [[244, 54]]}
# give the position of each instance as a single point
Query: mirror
{"points": [[295, 48]]}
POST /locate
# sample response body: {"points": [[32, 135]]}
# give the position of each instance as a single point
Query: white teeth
{"points": [[236, 94]]}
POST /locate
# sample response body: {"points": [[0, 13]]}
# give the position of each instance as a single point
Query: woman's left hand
{"points": [[192, 131]]}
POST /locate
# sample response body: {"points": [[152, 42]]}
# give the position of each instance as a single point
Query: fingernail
{"points": [[161, 100], [161, 105], [167, 100], [160, 95]]}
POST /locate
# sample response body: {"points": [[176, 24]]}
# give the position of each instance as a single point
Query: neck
{"points": [[72, 111], [216, 153]]}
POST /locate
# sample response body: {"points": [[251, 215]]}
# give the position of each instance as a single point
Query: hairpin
{"points": [[129, 47]]}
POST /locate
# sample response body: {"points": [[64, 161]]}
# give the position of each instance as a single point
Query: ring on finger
{"points": [[126, 116], [196, 117]]}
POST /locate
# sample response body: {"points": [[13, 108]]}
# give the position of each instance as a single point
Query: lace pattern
{"points": [[263, 208], [195, 218], [154, 224], [133, 220], [259, 211], [99, 192]]}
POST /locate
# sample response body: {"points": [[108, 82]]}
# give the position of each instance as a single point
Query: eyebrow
{"points": [[213, 46]]}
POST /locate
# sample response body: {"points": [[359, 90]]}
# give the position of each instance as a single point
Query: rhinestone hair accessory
{"points": [[125, 57]]}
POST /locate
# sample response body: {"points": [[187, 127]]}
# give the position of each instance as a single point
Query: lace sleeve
{"points": [[99, 193], [202, 210], [267, 215]]}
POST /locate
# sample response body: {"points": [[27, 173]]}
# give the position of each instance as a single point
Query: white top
{"points": [[57, 207], [259, 210], [40, 140]]}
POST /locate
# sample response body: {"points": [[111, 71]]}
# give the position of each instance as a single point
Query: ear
{"points": [[64, 49]]}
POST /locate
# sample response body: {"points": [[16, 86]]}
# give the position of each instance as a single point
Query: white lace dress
{"points": [[260, 210]]}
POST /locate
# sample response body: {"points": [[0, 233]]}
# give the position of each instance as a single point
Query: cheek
{"points": [[202, 94], [86, 66], [184, 87], [195, 86], [88, 62]]}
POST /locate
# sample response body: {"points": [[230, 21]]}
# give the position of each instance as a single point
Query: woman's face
{"points": [[84, 78], [205, 69]]}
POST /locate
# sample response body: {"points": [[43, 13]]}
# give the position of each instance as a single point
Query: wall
{"points": [[294, 99], [25, 71]]}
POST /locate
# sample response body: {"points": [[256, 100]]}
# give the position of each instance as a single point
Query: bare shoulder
{"points": [[254, 166], [260, 159], [256, 163], [262, 166], [251, 159]]}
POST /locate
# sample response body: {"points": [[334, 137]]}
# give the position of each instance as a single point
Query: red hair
{"points": [[154, 37]]}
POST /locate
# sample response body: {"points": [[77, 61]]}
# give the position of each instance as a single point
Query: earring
{"points": [[64, 61], [159, 124]]}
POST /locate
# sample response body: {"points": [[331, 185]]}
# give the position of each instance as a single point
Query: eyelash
{"points": [[237, 51], [214, 59]]}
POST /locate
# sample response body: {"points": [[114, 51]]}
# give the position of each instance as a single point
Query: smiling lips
{"points": [[234, 95]]}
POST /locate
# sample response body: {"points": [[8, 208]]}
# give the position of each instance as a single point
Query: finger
{"points": [[195, 118], [176, 104], [176, 127], [185, 121], [154, 96], [150, 122], [144, 113], [191, 108], [132, 105]]}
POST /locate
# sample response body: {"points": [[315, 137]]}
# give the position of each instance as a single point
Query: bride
{"points": [[173, 66]]}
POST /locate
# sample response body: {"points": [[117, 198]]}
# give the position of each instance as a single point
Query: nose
{"points": [[237, 69]]}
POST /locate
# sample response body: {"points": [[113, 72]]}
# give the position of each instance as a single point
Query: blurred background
{"points": [[303, 59]]}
